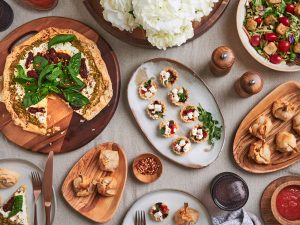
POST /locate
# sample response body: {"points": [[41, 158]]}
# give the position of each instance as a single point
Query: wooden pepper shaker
{"points": [[222, 60], [250, 83]]}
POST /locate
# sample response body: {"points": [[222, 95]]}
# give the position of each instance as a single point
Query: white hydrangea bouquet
{"points": [[167, 23]]}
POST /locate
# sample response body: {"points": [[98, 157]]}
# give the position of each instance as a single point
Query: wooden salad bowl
{"points": [[138, 36], [74, 131], [95, 207], [275, 212], [289, 91]]}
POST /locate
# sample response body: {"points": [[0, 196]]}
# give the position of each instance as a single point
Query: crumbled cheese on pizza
{"points": [[66, 47]]}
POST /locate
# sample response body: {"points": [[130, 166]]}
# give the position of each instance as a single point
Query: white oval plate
{"points": [[201, 155], [24, 168], [174, 199], [240, 17]]}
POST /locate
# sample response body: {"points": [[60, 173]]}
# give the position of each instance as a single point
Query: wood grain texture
{"points": [[95, 207], [289, 91], [73, 134], [265, 201], [138, 36]]}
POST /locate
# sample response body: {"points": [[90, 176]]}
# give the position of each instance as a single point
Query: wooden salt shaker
{"points": [[250, 83], [222, 60]]}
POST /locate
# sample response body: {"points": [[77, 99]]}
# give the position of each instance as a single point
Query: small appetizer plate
{"points": [[174, 200], [276, 213], [240, 17], [289, 91], [201, 155], [147, 168], [24, 169], [94, 207], [265, 201]]}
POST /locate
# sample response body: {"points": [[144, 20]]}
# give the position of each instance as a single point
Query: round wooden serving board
{"points": [[289, 91], [138, 36], [265, 201], [74, 132], [95, 207]]}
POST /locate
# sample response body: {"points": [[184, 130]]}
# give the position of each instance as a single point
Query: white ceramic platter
{"points": [[24, 168], [174, 199], [201, 155], [240, 17]]}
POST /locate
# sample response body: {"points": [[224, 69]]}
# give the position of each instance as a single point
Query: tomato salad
{"points": [[273, 27]]}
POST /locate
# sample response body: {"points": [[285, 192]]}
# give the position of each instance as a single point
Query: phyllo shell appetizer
{"points": [[283, 110], [261, 127], [156, 110], [189, 113], [181, 146], [296, 124], [147, 89], [260, 152], [168, 128], [186, 215], [199, 134], [168, 76], [286, 142], [178, 96], [159, 211]]}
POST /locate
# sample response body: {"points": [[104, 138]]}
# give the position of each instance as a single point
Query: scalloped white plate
{"points": [[201, 155]]}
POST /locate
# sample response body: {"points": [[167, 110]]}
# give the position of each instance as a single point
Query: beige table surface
{"points": [[196, 55]]}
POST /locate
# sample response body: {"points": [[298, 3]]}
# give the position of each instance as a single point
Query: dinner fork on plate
{"points": [[140, 218], [37, 188]]}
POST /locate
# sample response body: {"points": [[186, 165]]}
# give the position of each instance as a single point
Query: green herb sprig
{"points": [[212, 125], [17, 206]]}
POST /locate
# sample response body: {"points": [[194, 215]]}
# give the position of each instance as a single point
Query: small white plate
{"points": [[240, 17], [175, 199], [24, 168], [201, 155]]}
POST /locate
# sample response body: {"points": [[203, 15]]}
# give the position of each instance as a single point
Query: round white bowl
{"points": [[240, 17]]}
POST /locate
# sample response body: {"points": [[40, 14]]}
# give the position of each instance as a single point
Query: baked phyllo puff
{"points": [[156, 110], [283, 110], [199, 134], [168, 128], [189, 113], [181, 146], [168, 76], [178, 96], [260, 152], [159, 212], [147, 89]]}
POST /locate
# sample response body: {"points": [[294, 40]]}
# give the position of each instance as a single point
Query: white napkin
{"points": [[239, 217]]}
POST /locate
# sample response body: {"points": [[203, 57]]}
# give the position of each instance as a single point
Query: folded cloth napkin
{"points": [[239, 217]]}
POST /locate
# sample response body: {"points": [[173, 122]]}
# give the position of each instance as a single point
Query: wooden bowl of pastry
{"points": [[147, 168], [285, 203]]}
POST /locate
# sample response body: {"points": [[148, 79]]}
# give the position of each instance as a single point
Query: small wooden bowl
{"points": [[275, 212], [147, 178]]}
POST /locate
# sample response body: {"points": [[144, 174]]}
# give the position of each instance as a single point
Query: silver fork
{"points": [[37, 188], [140, 218]]}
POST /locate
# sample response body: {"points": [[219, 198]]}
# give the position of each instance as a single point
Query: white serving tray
{"points": [[202, 154]]}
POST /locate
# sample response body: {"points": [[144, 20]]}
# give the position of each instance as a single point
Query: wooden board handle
{"points": [[20, 37]]}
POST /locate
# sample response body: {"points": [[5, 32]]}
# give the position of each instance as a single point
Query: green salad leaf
{"points": [[75, 98], [62, 38], [39, 63], [17, 206]]}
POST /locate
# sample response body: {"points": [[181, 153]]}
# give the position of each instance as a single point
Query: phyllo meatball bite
{"points": [[147, 89], [181, 146], [283, 110], [168, 76], [189, 113], [159, 211], [199, 134], [261, 127], [156, 110], [260, 152], [286, 142], [168, 128], [178, 96], [296, 124]]}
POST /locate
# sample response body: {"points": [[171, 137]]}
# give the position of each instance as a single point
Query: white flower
{"points": [[163, 40], [119, 13]]}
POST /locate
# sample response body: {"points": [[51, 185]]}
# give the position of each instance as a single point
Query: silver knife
{"points": [[47, 186]]}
